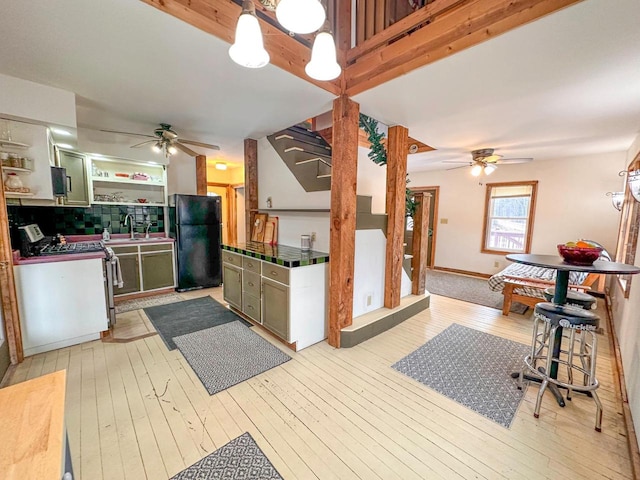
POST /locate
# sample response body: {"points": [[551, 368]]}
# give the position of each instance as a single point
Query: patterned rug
{"points": [[468, 289], [228, 354], [241, 458], [471, 367], [139, 303]]}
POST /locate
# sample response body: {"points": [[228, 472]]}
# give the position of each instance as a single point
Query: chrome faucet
{"points": [[128, 220], [147, 226]]}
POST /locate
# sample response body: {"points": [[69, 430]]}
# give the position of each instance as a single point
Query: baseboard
{"points": [[462, 272]]}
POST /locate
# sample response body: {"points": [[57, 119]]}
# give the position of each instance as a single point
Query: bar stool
{"points": [[574, 298], [578, 328]]}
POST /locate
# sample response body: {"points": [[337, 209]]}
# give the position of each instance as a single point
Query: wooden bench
{"points": [[512, 283]]}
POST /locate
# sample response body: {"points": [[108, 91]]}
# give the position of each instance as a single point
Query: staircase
{"points": [[306, 154]]}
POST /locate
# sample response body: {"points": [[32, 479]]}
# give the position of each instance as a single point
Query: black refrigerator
{"points": [[195, 223]]}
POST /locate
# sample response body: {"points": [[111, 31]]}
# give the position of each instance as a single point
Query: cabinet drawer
{"points": [[251, 264], [123, 249], [276, 272], [159, 247], [232, 258], [251, 283], [251, 307]]}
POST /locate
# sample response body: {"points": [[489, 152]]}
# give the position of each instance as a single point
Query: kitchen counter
{"points": [[32, 428], [284, 255], [17, 260]]}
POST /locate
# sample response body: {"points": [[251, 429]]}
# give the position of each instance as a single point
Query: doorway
{"points": [[228, 196], [434, 192]]}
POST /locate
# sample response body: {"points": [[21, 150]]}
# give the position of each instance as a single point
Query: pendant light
{"points": [[248, 49], [301, 16], [323, 65]]}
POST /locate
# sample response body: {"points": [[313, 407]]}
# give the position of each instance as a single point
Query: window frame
{"points": [[627, 243], [530, 218]]}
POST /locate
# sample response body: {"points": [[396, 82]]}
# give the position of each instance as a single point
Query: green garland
{"points": [[378, 155]]}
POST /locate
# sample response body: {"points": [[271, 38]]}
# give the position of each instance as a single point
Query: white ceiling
{"points": [[133, 66], [565, 85]]}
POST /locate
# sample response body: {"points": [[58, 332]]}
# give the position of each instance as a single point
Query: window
{"points": [[628, 232], [508, 217]]}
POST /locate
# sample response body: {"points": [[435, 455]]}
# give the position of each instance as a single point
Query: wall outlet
{"points": [[313, 237], [444, 221], [496, 264], [369, 299]]}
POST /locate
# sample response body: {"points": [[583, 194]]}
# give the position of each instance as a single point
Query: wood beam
{"points": [[201, 175], [471, 22], [219, 18], [8, 295], [396, 207], [363, 140], [343, 30], [343, 216], [250, 182], [420, 248]]}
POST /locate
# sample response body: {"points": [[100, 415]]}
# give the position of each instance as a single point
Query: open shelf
{"points": [[18, 194], [326, 210], [12, 144], [147, 204], [17, 170], [126, 180]]}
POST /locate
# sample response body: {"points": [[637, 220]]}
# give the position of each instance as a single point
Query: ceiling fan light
{"points": [[489, 169], [248, 48], [172, 150], [323, 65], [157, 147], [301, 16], [221, 165], [476, 170]]}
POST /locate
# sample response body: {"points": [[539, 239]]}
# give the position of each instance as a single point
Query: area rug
{"points": [[189, 316], [468, 289], [144, 302], [241, 458], [471, 367], [228, 354]]}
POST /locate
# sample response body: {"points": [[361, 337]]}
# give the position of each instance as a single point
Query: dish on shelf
{"points": [[142, 200], [122, 175]]}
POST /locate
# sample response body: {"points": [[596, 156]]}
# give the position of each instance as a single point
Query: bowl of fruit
{"points": [[579, 253]]}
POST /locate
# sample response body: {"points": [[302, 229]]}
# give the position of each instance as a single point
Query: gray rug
{"points": [[468, 289], [189, 316], [144, 302], [228, 354], [241, 458], [471, 367]]}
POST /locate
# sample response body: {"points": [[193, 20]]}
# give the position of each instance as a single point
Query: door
{"points": [[232, 285], [275, 308], [4, 349], [77, 192], [157, 270], [130, 274], [223, 194], [434, 192]]}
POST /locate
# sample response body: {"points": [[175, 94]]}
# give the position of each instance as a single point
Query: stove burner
{"points": [[68, 248]]}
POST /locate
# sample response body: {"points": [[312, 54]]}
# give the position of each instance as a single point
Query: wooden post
{"points": [[250, 182], [201, 175], [343, 215], [396, 200], [420, 243], [8, 296]]}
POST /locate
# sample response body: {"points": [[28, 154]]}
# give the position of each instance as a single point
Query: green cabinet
{"points": [[275, 307], [157, 270], [77, 186], [232, 285], [129, 266]]}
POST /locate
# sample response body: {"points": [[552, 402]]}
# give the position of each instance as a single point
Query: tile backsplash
{"points": [[84, 221]]}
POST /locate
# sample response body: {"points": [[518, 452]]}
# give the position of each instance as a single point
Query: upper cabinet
{"points": [[127, 183], [76, 173], [24, 151]]}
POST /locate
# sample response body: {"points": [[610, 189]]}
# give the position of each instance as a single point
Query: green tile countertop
{"points": [[279, 254]]}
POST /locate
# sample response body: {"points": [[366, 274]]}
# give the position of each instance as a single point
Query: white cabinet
{"points": [[121, 182]]}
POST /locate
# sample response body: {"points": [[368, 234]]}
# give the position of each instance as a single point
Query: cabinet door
{"points": [[77, 191], [275, 308], [232, 285], [157, 270], [130, 275]]}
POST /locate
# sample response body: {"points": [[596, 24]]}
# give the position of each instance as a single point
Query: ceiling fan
{"points": [[165, 139], [484, 160]]}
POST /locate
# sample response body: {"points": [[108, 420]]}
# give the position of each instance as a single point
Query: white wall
{"points": [[181, 175], [627, 324], [372, 181], [369, 267], [571, 204]]}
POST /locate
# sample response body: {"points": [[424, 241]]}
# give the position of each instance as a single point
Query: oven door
{"points": [[108, 266]]}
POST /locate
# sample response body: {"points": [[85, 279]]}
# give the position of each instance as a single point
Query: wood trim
{"points": [[360, 21], [369, 19], [220, 17], [530, 223], [8, 295], [232, 224], [396, 210], [342, 29], [363, 140], [420, 243], [201, 175], [470, 23], [343, 218], [435, 202], [462, 272], [250, 182]]}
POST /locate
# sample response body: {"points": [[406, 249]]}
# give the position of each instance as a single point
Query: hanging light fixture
{"points": [[633, 178], [221, 165], [323, 65], [157, 147], [489, 168], [248, 49], [171, 150], [301, 16], [476, 170], [617, 198]]}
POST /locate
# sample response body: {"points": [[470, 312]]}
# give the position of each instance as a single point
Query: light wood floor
{"points": [[137, 411]]}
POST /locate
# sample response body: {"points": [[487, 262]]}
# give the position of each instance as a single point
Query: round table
{"points": [[562, 284]]}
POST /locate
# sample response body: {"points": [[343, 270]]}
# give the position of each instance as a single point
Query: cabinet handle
{"points": [[275, 274], [250, 284], [250, 307], [69, 189]]}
